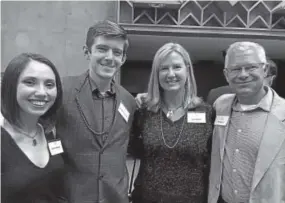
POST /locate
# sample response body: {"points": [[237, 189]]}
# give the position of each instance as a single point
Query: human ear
{"points": [[273, 78], [266, 70], [124, 58], [226, 75], [86, 52]]}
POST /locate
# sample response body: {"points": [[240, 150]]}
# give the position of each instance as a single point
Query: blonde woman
{"points": [[171, 133]]}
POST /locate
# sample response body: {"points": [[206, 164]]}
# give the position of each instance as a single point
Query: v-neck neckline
{"points": [[169, 120], [12, 141]]}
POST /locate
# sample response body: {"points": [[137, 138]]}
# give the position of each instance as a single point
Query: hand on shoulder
{"points": [[140, 99]]}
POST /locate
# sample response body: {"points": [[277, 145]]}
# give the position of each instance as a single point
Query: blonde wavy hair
{"points": [[153, 98]]}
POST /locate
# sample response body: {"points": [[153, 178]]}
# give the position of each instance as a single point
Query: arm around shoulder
{"points": [[135, 147]]}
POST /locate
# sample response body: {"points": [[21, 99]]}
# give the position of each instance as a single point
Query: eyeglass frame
{"points": [[248, 68]]}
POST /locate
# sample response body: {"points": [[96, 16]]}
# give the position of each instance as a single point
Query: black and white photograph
{"points": [[142, 101]]}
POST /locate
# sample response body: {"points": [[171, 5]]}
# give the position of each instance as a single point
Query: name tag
{"points": [[221, 120], [196, 117], [55, 147], [124, 112]]}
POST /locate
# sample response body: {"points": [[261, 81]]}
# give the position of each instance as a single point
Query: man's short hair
{"points": [[108, 29], [246, 47]]}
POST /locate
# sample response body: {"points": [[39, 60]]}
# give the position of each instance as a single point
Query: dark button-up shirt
{"points": [[105, 104]]}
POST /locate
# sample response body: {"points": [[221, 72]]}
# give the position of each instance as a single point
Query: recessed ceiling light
{"points": [[156, 5]]}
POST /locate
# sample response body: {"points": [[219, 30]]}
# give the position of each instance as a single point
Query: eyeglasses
{"points": [[247, 68]]}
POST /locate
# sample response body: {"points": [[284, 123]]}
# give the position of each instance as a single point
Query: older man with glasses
{"points": [[269, 80], [248, 148]]}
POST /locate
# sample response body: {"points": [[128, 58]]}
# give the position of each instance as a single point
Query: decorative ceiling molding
{"points": [[231, 14]]}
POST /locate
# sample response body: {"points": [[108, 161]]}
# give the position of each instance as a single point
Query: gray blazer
{"points": [[268, 184], [96, 171]]}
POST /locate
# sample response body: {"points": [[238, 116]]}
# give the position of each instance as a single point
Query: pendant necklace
{"points": [[34, 141], [170, 112], [179, 135]]}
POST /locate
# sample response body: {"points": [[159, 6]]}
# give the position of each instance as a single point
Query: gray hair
{"points": [[246, 47]]}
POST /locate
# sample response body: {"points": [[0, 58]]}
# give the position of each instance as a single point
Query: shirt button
{"points": [[235, 191], [101, 177], [234, 170], [239, 130], [237, 150]]}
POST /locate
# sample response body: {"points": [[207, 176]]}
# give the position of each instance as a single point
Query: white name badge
{"points": [[55, 147], [196, 117], [124, 112], [221, 120]]}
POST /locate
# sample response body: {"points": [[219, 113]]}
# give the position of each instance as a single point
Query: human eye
{"points": [[163, 68], [176, 67], [102, 49], [234, 70], [50, 84], [251, 68], [118, 52], [29, 82]]}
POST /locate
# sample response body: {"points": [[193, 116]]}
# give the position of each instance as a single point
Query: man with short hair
{"points": [[95, 120], [270, 78], [248, 147]]}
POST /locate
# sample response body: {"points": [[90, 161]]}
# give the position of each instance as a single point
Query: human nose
{"points": [[109, 54], [41, 91], [170, 73], [109, 58], [243, 73]]}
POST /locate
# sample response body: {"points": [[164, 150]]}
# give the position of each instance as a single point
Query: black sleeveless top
{"points": [[22, 181]]}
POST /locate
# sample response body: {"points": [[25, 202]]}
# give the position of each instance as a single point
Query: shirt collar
{"points": [[265, 102], [94, 87]]}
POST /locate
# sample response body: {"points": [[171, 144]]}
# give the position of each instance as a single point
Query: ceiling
{"points": [[143, 47]]}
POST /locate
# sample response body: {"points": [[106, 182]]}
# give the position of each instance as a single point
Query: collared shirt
{"points": [[94, 87], [105, 106], [245, 132]]}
